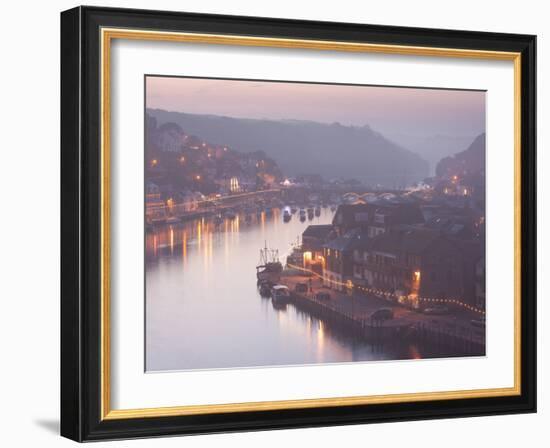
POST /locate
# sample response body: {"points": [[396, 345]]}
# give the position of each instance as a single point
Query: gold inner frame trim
{"points": [[107, 35]]}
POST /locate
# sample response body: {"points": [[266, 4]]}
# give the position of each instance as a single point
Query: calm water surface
{"points": [[203, 309]]}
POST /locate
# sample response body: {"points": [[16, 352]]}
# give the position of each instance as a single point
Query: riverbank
{"points": [[354, 312]]}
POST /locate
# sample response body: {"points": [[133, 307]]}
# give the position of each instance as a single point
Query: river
{"points": [[203, 310]]}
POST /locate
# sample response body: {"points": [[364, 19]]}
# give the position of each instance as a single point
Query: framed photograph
{"points": [[276, 224]]}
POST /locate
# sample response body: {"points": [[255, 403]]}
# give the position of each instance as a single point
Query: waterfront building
{"points": [[417, 262], [155, 209], [313, 241], [338, 256], [375, 218]]}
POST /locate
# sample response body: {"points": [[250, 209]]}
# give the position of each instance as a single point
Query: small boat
{"points": [[286, 216], [172, 220], [280, 294], [310, 213], [317, 211], [265, 289]]}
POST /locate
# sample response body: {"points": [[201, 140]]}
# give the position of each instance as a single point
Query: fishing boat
{"points": [[270, 267]]}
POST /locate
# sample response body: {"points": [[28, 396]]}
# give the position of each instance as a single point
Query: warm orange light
{"points": [[307, 257], [234, 184], [417, 276], [154, 162], [182, 159], [198, 177]]}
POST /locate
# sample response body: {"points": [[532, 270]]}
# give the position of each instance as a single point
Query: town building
{"points": [[416, 262], [155, 209], [313, 241], [375, 218], [338, 256]]}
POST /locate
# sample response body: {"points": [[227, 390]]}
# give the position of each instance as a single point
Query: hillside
{"points": [[469, 162], [304, 147]]}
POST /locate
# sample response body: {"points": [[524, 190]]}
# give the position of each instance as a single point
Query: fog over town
{"points": [[312, 223]]}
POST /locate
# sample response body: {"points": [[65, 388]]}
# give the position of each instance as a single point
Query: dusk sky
{"points": [[388, 110]]}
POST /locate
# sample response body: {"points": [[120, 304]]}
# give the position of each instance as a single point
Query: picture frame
{"points": [[87, 35]]}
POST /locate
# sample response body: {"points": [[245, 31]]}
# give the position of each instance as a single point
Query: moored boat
{"points": [[265, 288], [270, 267], [280, 294], [172, 220]]}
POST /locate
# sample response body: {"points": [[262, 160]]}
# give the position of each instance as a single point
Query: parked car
{"points": [[322, 296], [301, 287], [436, 310], [382, 314]]}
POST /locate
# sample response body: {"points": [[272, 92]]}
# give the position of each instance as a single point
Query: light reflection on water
{"points": [[203, 309]]}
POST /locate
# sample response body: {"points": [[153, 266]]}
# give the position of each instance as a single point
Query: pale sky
{"points": [[386, 109]]}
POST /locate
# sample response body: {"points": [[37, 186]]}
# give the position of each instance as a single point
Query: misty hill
{"points": [[432, 148], [304, 147], [466, 163]]}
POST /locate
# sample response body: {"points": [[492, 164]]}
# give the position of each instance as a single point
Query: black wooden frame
{"points": [[80, 224]]}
